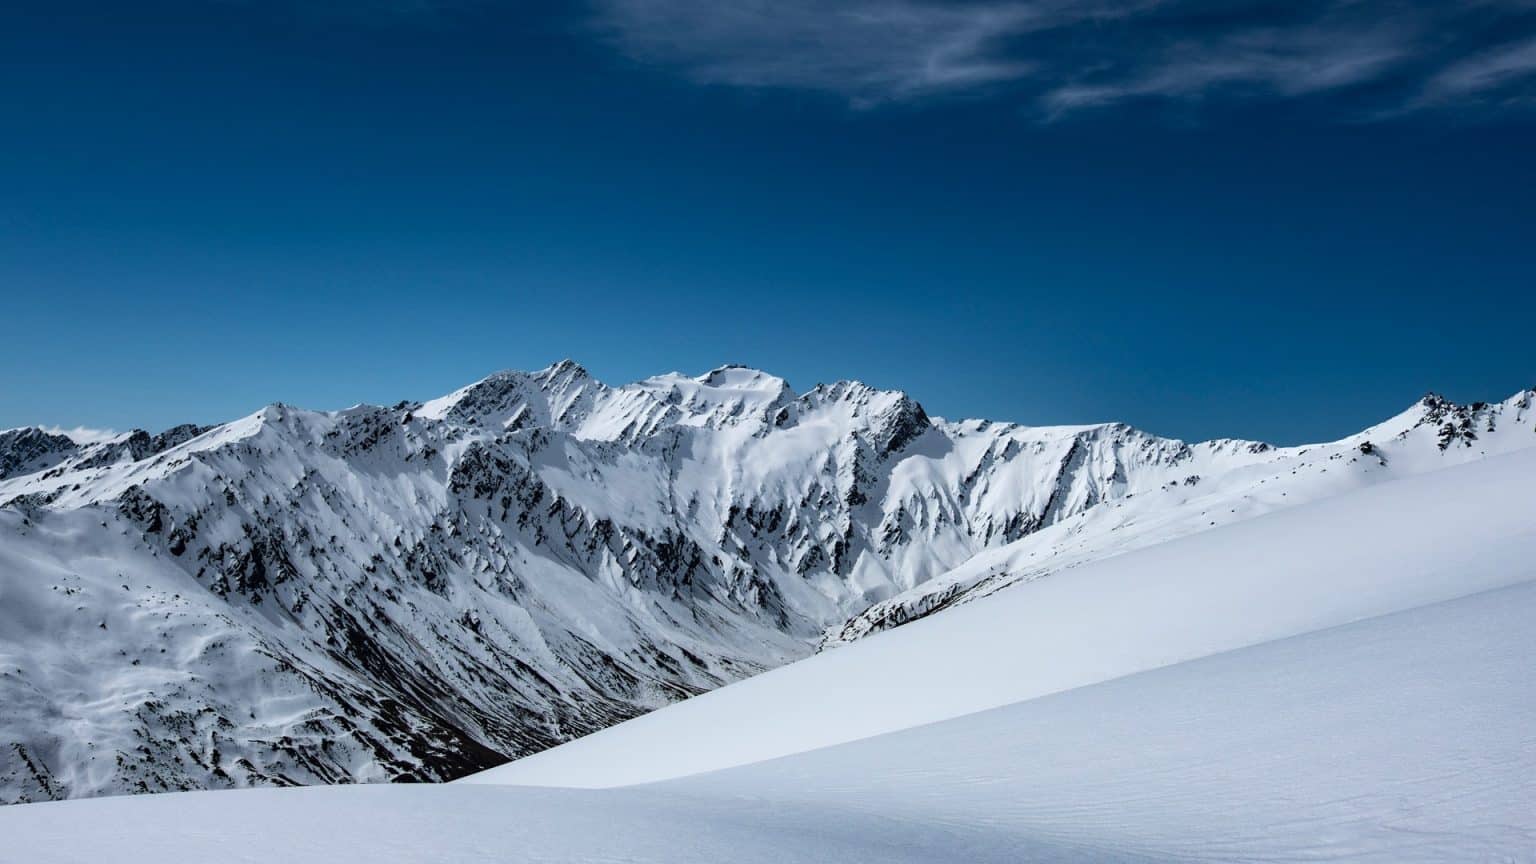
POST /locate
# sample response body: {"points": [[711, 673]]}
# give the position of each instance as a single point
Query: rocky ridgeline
{"points": [[419, 591]]}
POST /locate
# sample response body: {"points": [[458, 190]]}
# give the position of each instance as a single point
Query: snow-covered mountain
{"points": [[428, 589], [1345, 680], [1414, 542]]}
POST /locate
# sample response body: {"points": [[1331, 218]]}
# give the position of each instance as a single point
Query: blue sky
{"points": [[1270, 220]]}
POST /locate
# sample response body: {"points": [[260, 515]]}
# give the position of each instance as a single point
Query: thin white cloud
{"points": [[865, 50], [1280, 62], [1489, 71], [1068, 55], [82, 435]]}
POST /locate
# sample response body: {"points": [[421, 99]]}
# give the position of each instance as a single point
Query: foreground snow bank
{"points": [[1377, 550], [1402, 738]]}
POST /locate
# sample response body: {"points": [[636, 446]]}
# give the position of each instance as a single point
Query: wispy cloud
{"points": [[865, 50], [81, 434], [1063, 56], [1488, 73], [868, 50], [1272, 61]]}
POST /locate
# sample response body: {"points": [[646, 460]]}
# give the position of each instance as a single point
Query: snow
{"points": [[1377, 550], [1398, 738], [426, 590]]}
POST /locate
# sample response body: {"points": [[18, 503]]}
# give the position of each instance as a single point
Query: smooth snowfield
{"points": [[1402, 738], [1374, 551]]}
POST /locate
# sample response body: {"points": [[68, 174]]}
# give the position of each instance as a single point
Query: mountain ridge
{"points": [[422, 590]]}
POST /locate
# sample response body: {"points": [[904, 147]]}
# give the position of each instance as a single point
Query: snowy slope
{"points": [[1378, 550], [1431, 435], [424, 590], [1399, 738], [1394, 739]]}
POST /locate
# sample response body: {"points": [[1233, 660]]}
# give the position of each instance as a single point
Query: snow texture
{"points": [[422, 591], [1403, 737], [1375, 551]]}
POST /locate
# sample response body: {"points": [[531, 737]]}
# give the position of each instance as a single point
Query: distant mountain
{"points": [[421, 591]]}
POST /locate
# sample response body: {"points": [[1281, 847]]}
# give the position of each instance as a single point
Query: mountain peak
{"points": [[32, 448], [735, 376], [536, 555], [566, 368]]}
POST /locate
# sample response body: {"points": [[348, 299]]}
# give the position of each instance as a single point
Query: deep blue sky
{"points": [[1269, 224]]}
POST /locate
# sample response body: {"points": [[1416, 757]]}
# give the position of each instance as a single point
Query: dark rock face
{"points": [[23, 451], [139, 445], [1457, 424]]}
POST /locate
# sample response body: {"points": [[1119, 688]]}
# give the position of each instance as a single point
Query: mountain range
{"points": [[422, 591]]}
